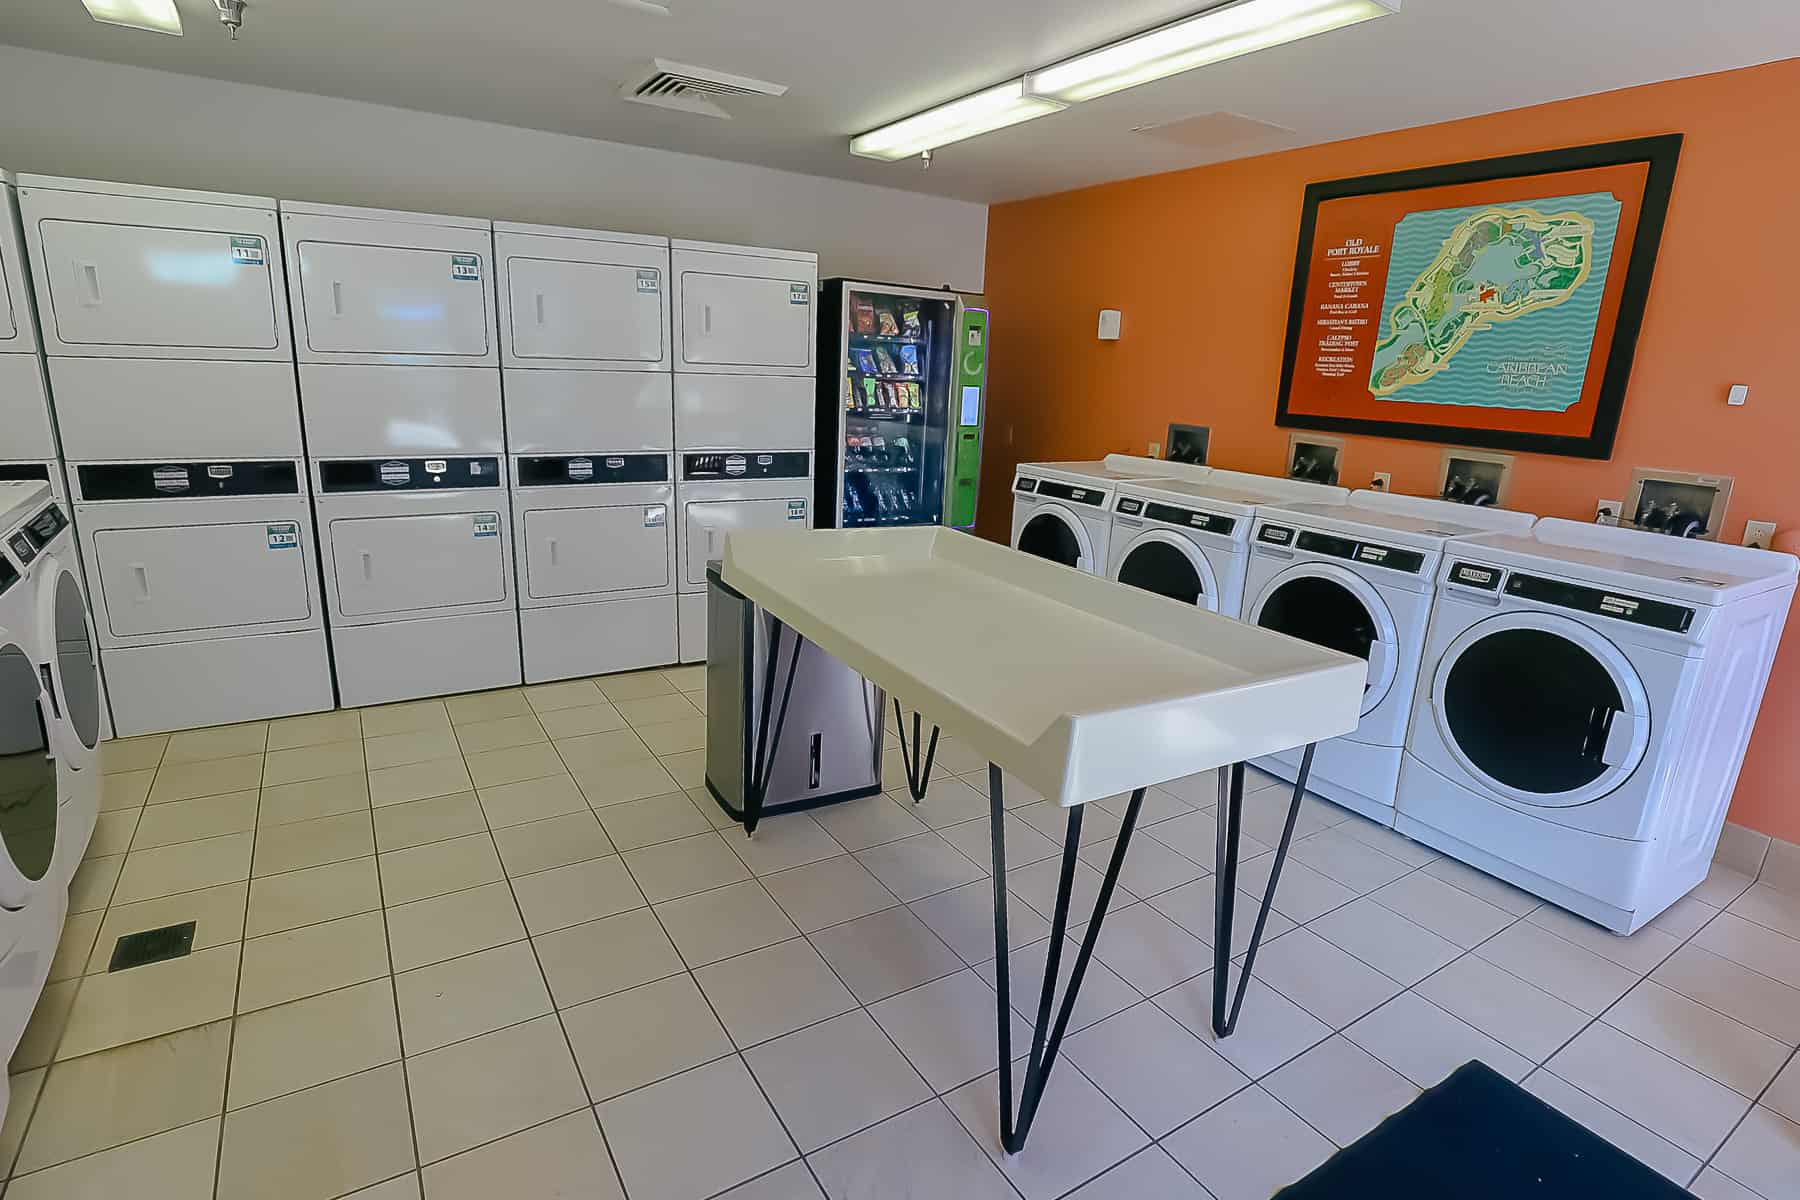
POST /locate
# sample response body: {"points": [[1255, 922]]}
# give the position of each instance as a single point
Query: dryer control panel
{"points": [[575, 469], [1169, 514], [1374, 554], [408, 474], [731, 465]]}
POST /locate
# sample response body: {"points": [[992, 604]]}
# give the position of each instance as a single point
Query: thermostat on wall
{"points": [[1111, 320]]}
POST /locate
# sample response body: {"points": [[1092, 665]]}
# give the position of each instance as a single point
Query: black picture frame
{"points": [[1661, 154]]}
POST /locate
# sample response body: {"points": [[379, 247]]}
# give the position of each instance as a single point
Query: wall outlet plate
{"points": [[1760, 534], [1155, 450], [1382, 482], [1606, 512]]}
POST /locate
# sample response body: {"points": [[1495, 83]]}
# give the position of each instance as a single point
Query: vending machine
{"points": [[893, 426]]}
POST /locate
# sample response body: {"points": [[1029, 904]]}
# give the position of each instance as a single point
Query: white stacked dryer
{"points": [[1188, 538], [746, 331], [585, 355], [1586, 699], [166, 327], [400, 381], [1359, 577], [27, 438]]}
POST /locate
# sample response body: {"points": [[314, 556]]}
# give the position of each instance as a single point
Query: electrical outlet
{"points": [[1155, 450], [1760, 534], [1606, 512], [1383, 481]]}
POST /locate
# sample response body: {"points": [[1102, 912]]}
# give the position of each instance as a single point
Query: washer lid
{"points": [[1541, 709]]}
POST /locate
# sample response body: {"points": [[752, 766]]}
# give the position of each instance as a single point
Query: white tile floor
{"points": [[504, 944]]}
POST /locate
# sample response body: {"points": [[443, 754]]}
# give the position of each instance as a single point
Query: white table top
{"points": [[1077, 685]]}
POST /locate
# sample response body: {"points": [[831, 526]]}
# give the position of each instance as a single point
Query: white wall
{"points": [[74, 116]]}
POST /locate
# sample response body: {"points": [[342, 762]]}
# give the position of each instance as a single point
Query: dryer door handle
{"points": [[552, 548], [368, 566], [143, 580], [1621, 733], [87, 280], [540, 310]]}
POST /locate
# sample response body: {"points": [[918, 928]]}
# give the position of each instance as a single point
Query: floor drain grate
{"points": [[152, 946]]}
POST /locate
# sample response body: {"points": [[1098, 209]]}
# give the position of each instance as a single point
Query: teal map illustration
{"points": [[1495, 306]]}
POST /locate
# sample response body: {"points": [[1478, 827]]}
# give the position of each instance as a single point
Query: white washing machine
{"points": [[745, 325], [1359, 577], [719, 494], [49, 784], [1190, 539], [1062, 511], [585, 352], [165, 321], [27, 440], [394, 324], [1586, 699]]}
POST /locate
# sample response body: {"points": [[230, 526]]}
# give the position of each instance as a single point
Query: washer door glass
{"points": [[75, 662], [1049, 536], [1538, 713], [27, 771], [1162, 568]]}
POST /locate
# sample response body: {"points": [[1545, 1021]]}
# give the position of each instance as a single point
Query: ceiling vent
{"points": [[1214, 131], [693, 89]]}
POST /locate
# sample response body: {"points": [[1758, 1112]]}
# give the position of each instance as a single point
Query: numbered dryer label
{"points": [[649, 283], [284, 537], [655, 516], [799, 293], [248, 252], [796, 510], [465, 266], [487, 525]]}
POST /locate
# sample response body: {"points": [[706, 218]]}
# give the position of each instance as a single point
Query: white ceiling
{"points": [[852, 64]]}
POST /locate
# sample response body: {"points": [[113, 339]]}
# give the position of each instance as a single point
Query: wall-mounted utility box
{"points": [[1315, 458], [1474, 477], [1678, 503]]}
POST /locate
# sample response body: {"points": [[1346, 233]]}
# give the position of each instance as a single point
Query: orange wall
{"points": [[1201, 262]]}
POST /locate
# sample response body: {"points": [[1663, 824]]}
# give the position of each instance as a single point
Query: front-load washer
{"points": [[1585, 702], [1189, 539], [596, 552], [47, 802], [585, 355], [399, 364], [207, 604], [1062, 511], [165, 321], [1359, 577], [418, 575], [718, 494]]}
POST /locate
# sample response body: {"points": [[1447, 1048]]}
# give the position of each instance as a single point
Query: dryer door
{"points": [[392, 300], [1328, 606], [176, 579], [418, 562], [597, 550], [740, 317], [710, 521], [1055, 533], [1542, 709], [1170, 565], [28, 799], [588, 312], [74, 671]]}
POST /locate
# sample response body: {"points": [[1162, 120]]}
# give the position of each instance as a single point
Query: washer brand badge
{"points": [[655, 516], [465, 266], [284, 537], [487, 525], [1276, 534], [170, 479], [248, 252], [735, 465], [796, 510], [1475, 576], [1131, 507], [799, 293], [395, 474], [581, 468], [649, 283], [1618, 606], [1199, 519], [1078, 493], [1373, 554]]}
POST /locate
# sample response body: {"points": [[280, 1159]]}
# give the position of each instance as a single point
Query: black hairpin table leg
{"points": [[918, 775], [1230, 821], [768, 740], [1046, 1038]]}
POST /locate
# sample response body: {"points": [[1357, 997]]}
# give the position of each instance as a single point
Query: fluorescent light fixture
{"points": [[1209, 37], [158, 16], [983, 112]]}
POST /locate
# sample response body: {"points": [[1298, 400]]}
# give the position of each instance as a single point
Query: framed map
{"points": [[1493, 303]]}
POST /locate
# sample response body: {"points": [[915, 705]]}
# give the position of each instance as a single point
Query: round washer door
{"points": [[28, 795], [1340, 610], [1055, 533], [1541, 709], [1169, 565], [73, 666]]}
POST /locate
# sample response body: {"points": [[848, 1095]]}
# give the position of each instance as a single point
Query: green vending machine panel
{"points": [[970, 398]]}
